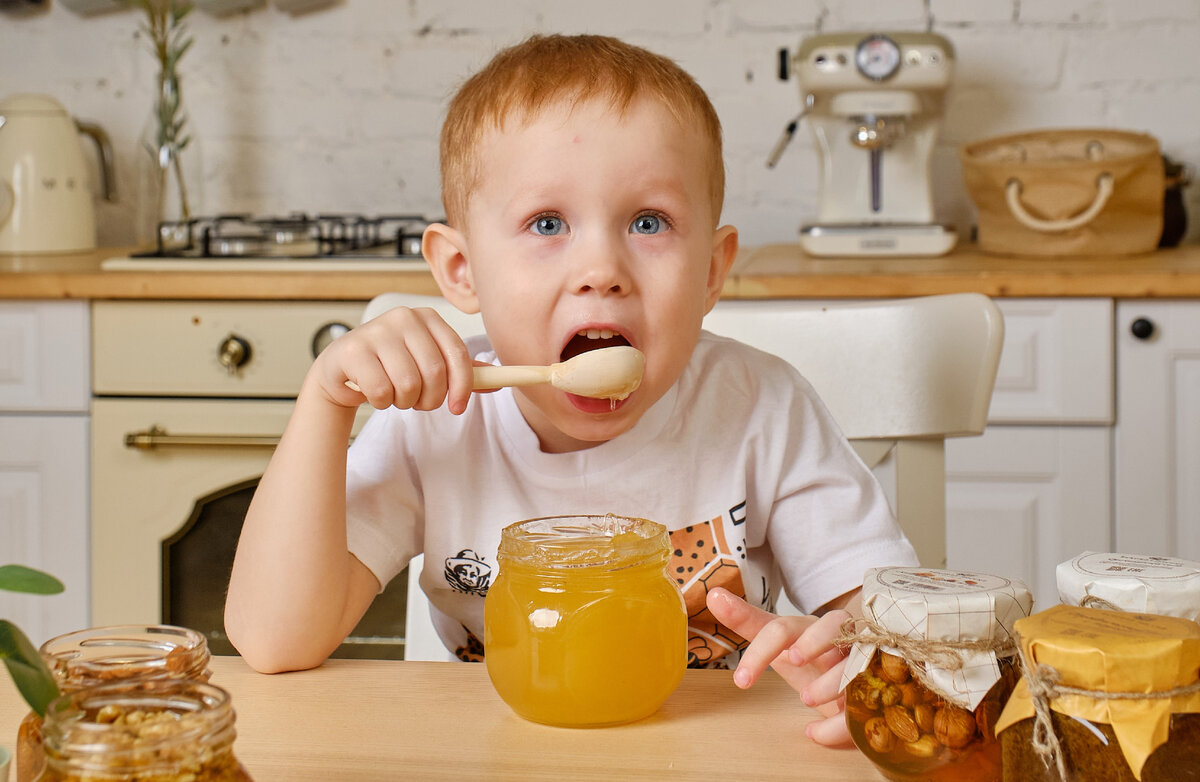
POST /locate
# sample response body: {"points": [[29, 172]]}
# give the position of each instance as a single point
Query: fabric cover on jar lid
{"points": [[1132, 582], [929, 607]]}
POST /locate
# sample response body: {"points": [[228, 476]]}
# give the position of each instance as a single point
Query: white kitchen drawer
{"points": [[44, 356], [1057, 362]]}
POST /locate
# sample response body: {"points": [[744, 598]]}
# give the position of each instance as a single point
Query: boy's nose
{"points": [[602, 266]]}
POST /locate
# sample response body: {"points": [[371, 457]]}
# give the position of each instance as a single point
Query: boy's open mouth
{"points": [[591, 339], [584, 341]]}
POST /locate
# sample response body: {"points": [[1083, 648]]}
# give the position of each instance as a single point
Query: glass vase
{"points": [[170, 179]]}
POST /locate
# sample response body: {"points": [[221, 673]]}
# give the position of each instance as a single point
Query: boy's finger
{"points": [[820, 637], [826, 688], [830, 732], [736, 614]]}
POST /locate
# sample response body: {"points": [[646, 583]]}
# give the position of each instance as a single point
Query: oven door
{"points": [[171, 481]]}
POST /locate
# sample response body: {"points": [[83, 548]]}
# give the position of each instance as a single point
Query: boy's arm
{"points": [[295, 591]]}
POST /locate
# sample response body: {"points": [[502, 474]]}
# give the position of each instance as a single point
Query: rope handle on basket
{"points": [[1012, 194], [1093, 150]]}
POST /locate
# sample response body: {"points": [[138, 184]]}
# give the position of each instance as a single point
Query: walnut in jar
{"points": [[953, 726]]}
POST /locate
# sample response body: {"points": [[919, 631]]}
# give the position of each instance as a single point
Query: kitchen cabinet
{"points": [[44, 401], [1157, 436], [1035, 488]]}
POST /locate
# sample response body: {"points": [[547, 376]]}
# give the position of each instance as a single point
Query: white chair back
{"points": [[898, 375]]}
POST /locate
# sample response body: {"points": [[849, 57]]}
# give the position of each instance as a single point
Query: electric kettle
{"points": [[45, 199]]}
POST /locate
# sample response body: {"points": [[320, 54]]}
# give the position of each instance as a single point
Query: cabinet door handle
{"points": [[1142, 328]]}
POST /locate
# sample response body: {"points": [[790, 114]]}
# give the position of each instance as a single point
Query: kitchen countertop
{"points": [[383, 720], [770, 271]]}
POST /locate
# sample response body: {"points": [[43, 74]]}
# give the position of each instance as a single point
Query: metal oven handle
{"points": [[156, 436]]}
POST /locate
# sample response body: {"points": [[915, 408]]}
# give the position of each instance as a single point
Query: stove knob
{"points": [[234, 353], [326, 334]]}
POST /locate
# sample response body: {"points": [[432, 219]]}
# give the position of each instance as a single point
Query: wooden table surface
{"points": [[379, 720]]}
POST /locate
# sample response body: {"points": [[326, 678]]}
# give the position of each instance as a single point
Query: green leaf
{"points": [[18, 578], [29, 671]]}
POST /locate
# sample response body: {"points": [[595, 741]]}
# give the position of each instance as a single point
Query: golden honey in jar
{"points": [[583, 626], [1121, 692], [930, 671], [104, 655], [163, 730]]}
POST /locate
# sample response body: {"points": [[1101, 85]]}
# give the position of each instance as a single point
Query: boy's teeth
{"points": [[597, 334]]}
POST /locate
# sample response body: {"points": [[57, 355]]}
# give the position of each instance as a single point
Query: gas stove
{"points": [[295, 242]]}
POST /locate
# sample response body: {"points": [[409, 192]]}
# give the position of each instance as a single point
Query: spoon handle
{"points": [[492, 377], [487, 378]]}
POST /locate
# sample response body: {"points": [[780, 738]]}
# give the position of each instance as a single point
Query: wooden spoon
{"points": [[606, 373]]}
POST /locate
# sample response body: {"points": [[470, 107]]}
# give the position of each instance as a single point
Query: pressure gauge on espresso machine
{"points": [[877, 57]]}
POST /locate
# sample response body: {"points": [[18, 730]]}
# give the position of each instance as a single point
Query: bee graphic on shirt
{"points": [[466, 572]]}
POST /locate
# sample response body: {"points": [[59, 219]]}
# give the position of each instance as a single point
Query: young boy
{"points": [[583, 183]]}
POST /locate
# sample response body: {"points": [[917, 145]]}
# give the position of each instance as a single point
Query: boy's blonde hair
{"points": [[544, 69]]}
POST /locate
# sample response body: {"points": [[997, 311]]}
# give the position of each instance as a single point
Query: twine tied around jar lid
{"points": [[1045, 684], [1092, 601], [946, 655]]}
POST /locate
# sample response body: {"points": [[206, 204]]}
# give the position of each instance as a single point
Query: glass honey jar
{"points": [[104, 655], [929, 672], [583, 626], [1105, 696], [158, 730]]}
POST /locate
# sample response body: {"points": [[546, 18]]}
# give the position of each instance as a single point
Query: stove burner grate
{"points": [[297, 235]]}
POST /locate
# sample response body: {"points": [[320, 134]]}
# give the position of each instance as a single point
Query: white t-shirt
{"points": [[739, 460]]}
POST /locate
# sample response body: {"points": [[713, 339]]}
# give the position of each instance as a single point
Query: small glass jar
{"points": [[1111, 728], [160, 730], [1131, 582], [104, 655], [583, 626], [927, 678]]}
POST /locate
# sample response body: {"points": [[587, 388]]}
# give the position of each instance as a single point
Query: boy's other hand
{"points": [[800, 649]]}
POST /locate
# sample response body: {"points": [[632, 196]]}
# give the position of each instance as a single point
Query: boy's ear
{"points": [[724, 251], [444, 249]]}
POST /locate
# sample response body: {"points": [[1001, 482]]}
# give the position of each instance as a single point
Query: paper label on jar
{"points": [[925, 604], [1132, 582]]}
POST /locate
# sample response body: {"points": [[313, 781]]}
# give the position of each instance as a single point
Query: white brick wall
{"points": [[338, 110]]}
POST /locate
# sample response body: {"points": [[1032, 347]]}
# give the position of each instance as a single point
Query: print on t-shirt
{"points": [[466, 572], [700, 560]]}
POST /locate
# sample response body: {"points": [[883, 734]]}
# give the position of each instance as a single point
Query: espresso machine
{"points": [[873, 103]]}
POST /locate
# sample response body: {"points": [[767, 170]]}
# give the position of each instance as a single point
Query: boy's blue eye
{"points": [[647, 224], [548, 226]]}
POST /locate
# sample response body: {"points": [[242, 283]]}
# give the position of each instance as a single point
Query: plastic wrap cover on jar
{"points": [[1110, 656], [1131, 582], [923, 605]]}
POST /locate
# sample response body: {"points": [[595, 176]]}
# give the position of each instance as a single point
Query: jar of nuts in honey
{"points": [[931, 665], [103, 655], [583, 626], [150, 731]]}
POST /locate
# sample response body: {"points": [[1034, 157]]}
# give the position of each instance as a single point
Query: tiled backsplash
{"points": [[339, 109]]}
